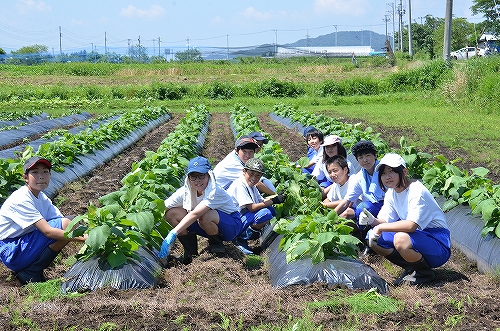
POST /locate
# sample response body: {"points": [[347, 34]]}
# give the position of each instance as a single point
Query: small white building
{"points": [[328, 51]]}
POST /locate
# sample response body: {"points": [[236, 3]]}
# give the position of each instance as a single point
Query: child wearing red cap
{"points": [[31, 227]]}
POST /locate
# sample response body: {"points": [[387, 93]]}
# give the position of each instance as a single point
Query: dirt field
{"points": [[221, 293]]}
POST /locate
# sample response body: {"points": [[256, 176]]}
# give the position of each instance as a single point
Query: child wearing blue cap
{"points": [[31, 227], [200, 207]]}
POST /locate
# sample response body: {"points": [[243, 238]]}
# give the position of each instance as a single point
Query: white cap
{"points": [[330, 140], [392, 160]]}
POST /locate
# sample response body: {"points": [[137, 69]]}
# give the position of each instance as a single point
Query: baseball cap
{"points": [[392, 160], [199, 164], [247, 142], [330, 140], [308, 129], [258, 136], [32, 161], [255, 165]]}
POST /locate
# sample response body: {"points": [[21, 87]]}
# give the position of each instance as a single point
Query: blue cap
{"points": [[258, 136], [309, 129], [199, 164]]}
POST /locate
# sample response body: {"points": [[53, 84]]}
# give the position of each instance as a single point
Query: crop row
{"points": [[439, 175], [308, 228], [132, 217], [68, 150]]}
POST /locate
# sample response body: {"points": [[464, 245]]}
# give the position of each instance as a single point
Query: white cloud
{"points": [[153, 12], [25, 6], [341, 7], [252, 13]]}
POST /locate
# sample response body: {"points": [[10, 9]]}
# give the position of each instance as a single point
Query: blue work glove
{"points": [[167, 242]]}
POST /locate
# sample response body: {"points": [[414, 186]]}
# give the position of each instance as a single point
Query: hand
{"points": [[167, 242], [366, 218], [372, 237], [280, 198]]}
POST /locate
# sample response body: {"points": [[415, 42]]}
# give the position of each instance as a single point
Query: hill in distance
{"points": [[340, 38]]}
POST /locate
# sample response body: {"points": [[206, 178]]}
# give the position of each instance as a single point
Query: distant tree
{"points": [[462, 34], [2, 52], [33, 49], [491, 11], [138, 53], [189, 55]]}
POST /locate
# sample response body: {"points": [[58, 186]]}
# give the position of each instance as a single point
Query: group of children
{"points": [[396, 217]]}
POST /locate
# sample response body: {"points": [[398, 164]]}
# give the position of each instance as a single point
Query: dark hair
{"points": [[315, 133], [403, 180], [340, 160], [340, 151], [363, 147]]}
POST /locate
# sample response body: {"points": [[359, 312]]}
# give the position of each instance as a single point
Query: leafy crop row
{"points": [[132, 217], [308, 228], [438, 174], [69, 147]]}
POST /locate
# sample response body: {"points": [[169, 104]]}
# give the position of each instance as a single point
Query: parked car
{"points": [[467, 53]]}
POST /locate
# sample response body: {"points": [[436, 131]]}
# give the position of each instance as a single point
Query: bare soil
{"points": [[223, 293]]}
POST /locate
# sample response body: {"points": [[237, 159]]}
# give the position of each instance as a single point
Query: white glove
{"points": [[372, 238], [366, 218]]}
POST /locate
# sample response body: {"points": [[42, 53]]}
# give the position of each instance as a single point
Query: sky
{"points": [[102, 25]]}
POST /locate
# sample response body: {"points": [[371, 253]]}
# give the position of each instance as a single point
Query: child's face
{"points": [[331, 150], [245, 154], [390, 178], [252, 177], [367, 161], [313, 142], [338, 174], [37, 178], [199, 181]]}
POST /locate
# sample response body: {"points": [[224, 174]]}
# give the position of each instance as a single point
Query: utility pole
{"points": [[105, 44], [410, 42], [139, 39], [386, 19], [159, 40], [392, 12], [60, 41], [447, 31], [227, 47], [275, 43], [335, 35], [401, 12]]}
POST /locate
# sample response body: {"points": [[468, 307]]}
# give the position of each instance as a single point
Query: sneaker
{"points": [[242, 245]]}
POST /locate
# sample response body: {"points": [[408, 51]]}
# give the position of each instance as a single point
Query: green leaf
{"points": [[144, 220], [116, 259], [98, 237]]}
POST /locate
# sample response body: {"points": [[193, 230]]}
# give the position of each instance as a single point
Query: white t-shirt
{"points": [[337, 192], [228, 169], [22, 210], [221, 201], [415, 204], [320, 171], [243, 194]]}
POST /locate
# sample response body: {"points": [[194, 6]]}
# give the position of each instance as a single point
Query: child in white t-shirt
{"points": [[255, 211], [338, 172], [31, 227]]}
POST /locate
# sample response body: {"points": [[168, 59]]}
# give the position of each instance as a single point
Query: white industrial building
{"points": [[328, 51]]}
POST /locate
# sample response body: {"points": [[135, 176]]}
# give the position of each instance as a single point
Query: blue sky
{"points": [[92, 24]]}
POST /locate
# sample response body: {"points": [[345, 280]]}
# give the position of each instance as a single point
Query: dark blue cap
{"points": [[199, 164]]}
